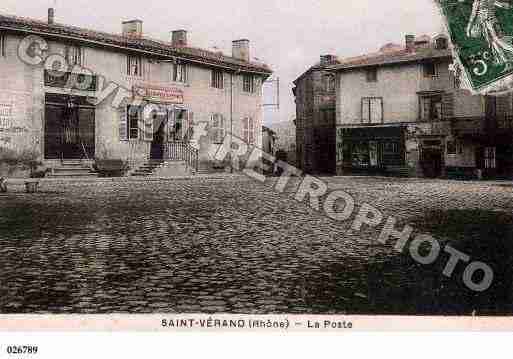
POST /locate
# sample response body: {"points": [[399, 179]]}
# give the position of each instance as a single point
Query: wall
{"points": [[22, 101]]}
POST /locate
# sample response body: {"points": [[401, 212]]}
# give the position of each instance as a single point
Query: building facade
{"points": [[315, 97], [401, 111], [121, 96], [286, 140]]}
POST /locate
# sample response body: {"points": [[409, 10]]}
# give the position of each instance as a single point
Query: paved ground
{"points": [[231, 245]]}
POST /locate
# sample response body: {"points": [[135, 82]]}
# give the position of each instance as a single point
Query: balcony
{"points": [[480, 126]]}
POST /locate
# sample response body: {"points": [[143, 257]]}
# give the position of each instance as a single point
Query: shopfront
{"points": [[164, 119], [371, 149]]}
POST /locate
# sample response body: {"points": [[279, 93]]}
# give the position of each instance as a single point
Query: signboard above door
{"points": [[159, 93]]}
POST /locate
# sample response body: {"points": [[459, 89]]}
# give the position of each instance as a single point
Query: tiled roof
{"points": [[160, 48], [392, 57]]}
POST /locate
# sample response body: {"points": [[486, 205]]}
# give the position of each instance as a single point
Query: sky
{"points": [[288, 35]]}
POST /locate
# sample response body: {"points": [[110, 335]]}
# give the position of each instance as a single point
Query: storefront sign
{"points": [[159, 93]]}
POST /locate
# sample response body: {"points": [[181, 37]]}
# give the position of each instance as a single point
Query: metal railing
{"points": [[182, 151]]}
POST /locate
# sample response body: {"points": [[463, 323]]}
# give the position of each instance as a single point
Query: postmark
{"points": [[481, 32]]}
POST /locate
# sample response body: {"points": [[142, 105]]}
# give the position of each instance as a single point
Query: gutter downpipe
{"points": [[231, 122]]}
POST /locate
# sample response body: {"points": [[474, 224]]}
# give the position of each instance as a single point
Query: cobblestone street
{"points": [[233, 245]]}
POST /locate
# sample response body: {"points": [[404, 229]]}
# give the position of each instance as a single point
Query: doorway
{"points": [[432, 162], [69, 128], [160, 121]]}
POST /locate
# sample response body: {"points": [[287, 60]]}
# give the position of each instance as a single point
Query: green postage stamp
{"points": [[481, 32]]}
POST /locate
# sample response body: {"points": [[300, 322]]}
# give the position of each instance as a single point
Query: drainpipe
{"points": [[231, 122]]}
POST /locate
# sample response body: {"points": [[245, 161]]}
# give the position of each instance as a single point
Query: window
{"points": [[218, 128], [329, 83], [134, 66], [328, 116], [248, 131], [217, 79], [133, 114], [441, 43], [248, 83], [74, 55], [179, 128], [372, 110], [489, 157], [372, 75], [430, 69], [2, 46], [431, 108], [180, 73], [451, 148]]}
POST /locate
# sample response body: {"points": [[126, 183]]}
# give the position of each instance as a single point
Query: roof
{"points": [[393, 57], [142, 44]]}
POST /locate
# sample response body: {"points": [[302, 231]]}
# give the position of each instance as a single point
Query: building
{"points": [[315, 96], [401, 111], [268, 140], [286, 139], [76, 94]]}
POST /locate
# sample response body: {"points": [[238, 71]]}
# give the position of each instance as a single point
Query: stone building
{"points": [[72, 94], [286, 139], [400, 111], [315, 96]]}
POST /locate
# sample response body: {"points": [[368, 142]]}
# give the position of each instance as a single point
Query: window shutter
{"points": [[123, 123], [448, 105], [376, 110], [365, 110]]}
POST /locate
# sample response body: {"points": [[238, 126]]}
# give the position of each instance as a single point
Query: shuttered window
{"points": [[123, 123], [431, 108], [372, 110], [134, 66], [133, 114], [180, 73], [248, 130], [217, 79], [248, 84], [74, 55], [218, 129]]}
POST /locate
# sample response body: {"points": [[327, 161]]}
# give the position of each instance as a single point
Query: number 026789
{"points": [[21, 349]]}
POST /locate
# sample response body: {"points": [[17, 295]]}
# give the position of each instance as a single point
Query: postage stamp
{"points": [[481, 32]]}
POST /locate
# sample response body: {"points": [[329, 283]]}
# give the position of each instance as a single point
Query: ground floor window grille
{"points": [[490, 157]]}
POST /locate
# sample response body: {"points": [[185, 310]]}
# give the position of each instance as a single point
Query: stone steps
{"points": [[71, 168]]}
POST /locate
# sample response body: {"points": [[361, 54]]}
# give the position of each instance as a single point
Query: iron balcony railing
{"points": [[182, 151]]}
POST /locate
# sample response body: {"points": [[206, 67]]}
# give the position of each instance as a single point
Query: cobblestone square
{"points": [[233, 245]]}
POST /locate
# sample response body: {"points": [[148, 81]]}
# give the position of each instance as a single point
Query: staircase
{"points": [[72, 168], [163, 168]]}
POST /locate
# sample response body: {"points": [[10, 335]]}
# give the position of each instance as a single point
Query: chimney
{"points": [[179, 38], [328, 60], [51, 16], [240, 50], [132, 28], [410, 43]]}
